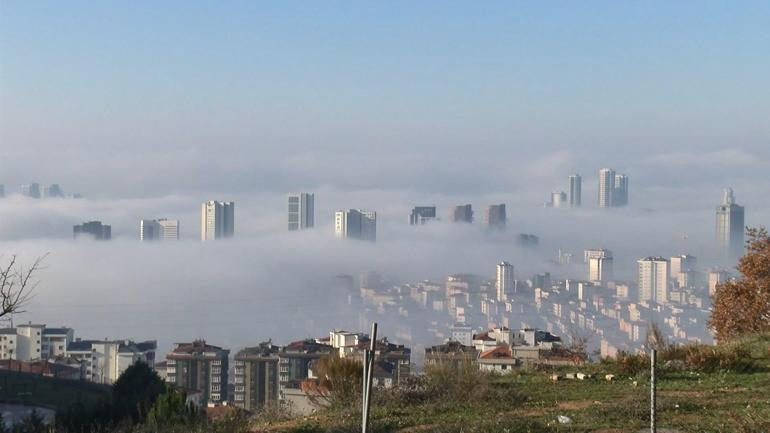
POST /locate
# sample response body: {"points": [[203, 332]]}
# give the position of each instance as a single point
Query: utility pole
{"points": [[653, 356], [368, 372]]}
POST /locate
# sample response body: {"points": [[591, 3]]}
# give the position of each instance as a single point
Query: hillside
{"points": [[700, 390]]}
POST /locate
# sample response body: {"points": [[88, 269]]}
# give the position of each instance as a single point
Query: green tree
{"points": [[134, 393], [742, 306], [171, 408]]}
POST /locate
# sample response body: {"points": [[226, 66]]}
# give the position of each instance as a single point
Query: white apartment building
{"points": [[217, 220], [30, 342], [104, 360], [653, 279], [160, 229], [504, 284], [356, 224]]}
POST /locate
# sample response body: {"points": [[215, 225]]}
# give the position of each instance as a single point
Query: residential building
{"points": [[600, 267], [462, 334], [716, 277], [217, 220], [575, 190], [422, 214], [31, 190], [294, 362], [606, 187], [159, 230], [199, 366], [105, 360], [494, 216], [301, 211], [653, 279], [452, 353], [256, 376], [681, 264], [356, 224], [730, 227], [504, 284], [92, 230], [461, 214], [620, 191], [30, 342]]}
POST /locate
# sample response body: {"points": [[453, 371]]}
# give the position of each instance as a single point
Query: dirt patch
{"points": [[574, 405]]}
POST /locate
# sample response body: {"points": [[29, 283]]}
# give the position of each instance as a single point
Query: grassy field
{"points": [[691, 398]]}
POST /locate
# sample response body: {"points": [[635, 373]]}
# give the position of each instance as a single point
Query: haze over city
{"points": [[147, 110]]}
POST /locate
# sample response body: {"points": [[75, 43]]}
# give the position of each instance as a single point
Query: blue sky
{"points": [[229, 83]]}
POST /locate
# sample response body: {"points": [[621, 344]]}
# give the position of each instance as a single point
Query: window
{"points": [[216, 379], [215, 397], [216, 388], [238, 397]]}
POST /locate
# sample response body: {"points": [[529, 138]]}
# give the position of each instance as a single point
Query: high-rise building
{"points": [[716, 277], [600, 269], [620, 191], [92, 229], [653, 279], [730, 227], [256, 376], [160, 229], [461, 214], [31, 190], [494, 216], [104, 360], [301, 209], [198, 366], [505, 282], [558, 199], [575, 190], [356, 224], [217, 220], [606, 187], [52, 191], [422, 214], [682, 263]]}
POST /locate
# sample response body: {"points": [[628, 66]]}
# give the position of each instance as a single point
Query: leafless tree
{"points": [[17, 284]]}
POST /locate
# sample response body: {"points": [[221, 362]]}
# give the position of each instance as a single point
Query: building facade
{"points": [[504, 283], [92, 230], [301, 211], [422, 214], [575, 190], [356, 224], [461, 214], [256, 376], [217, 220], [201, 367], [494, 216], [159, 230], [653, 279]]}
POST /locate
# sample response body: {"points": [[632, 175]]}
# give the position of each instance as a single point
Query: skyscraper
{"points": [[575, 190], [52, 191], [494, 216], [92, 229], [356, 224], [217, 220], [505, 282], [160, 229], [730, 227], [558, 199], [606, 187], [653, 279], [422, 214], [461, 214], [620, 191], [599, 264], [301, 208], [31, 190]]}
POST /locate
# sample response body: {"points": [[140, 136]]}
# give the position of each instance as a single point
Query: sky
{"points": [[149, 108]]}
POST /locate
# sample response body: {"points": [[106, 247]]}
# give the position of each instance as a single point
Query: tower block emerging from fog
{"points": [[356, 224], [421, 215], [494, 216], [301, 211], [159, 230], [599, 265], [217, 220], [575, 190], [461, 214], [505, 282], [730, 227], [613, 188]]}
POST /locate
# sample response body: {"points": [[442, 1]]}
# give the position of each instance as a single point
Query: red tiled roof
{"points": [[497, 352]]}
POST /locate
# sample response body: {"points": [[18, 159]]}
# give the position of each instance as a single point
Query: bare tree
{"points": [[17, 284]]}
